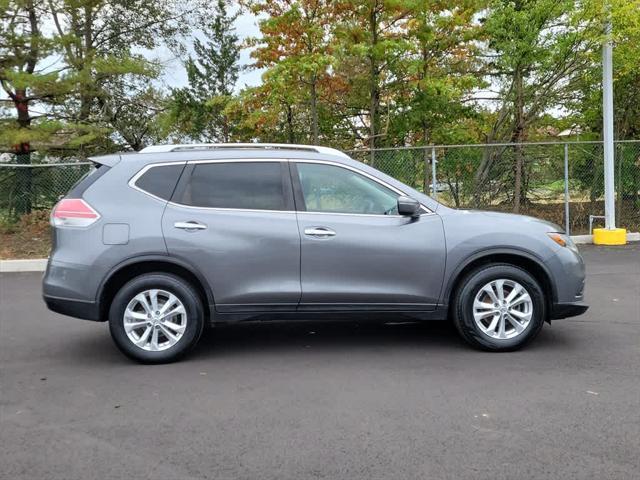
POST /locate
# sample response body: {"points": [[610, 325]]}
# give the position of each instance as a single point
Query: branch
{"points": [[139, 27], [72, 58]]}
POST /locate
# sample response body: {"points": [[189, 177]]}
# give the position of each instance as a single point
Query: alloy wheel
{"points": [[155, 320], [502, 309]]}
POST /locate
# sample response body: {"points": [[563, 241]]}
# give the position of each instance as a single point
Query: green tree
{"points": [[197, 111], [435, 76], [270, 112], [26, 119], [62, 65], [370, 38], [537, 52], [134, 110], [434, 82], [100, 42], [295, 47], [31, 87]]}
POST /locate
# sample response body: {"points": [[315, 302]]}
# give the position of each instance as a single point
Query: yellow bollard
{"points": [[603, 236]]}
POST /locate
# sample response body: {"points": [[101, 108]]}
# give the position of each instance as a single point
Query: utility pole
{"points": [[609, 235], [607, 129]]}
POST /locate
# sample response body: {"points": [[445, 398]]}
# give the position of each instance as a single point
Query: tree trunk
{"points": [[426, 154], [87, 95], [290, 124], [314, 112], [24, 181], [426, 159], [374, 83], [636, 182], [373, 108], [518, 138], [517, 191], [226, 130]]}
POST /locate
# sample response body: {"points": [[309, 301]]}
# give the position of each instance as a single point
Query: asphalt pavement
{"points": [[326, 401]]}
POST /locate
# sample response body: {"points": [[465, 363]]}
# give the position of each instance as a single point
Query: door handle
{"points": [[191, 225], [320, 232]]}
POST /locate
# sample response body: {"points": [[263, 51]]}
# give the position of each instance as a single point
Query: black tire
{"points": [[462, 307], [174, 285]]}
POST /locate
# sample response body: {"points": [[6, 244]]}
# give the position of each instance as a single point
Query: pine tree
{"points": [[23, 50], [197, 111], [294, 46]]}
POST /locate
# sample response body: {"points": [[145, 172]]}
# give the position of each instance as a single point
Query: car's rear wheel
{"points": [[499, 307], [156, 318]]}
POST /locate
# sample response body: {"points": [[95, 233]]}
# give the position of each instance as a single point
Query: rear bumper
{"points": [[73, 308], [70, 289], [565, 310]]}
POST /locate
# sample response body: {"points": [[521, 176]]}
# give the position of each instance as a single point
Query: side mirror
{"points": [[408, 206]]}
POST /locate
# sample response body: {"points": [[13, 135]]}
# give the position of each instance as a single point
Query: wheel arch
{"points": [[525, 260], [131, 268]]}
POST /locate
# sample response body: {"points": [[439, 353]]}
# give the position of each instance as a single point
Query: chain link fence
{"points": [[559, 182], [25, 188]]}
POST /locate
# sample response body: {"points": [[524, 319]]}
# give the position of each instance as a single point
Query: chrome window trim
{"points": [[426, 210], [228, 209]]}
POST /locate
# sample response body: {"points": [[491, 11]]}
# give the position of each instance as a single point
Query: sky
{"points": [[175, 74]]}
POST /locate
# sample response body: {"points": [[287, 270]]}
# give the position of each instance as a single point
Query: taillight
{"points": [[73, 212]]}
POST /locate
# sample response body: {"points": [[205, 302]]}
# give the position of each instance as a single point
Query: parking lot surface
{"points": [[335, 401]]}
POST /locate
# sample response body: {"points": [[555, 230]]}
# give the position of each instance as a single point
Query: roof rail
{"points": [[230, 146]]}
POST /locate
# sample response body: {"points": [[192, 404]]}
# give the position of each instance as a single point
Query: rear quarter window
{"points": [[161, 180], [88, 179]]}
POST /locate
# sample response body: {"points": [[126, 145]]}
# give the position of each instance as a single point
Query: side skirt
{"points": [[330, 316]]}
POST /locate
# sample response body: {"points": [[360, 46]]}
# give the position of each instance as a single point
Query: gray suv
{"points": [[162, 242]]}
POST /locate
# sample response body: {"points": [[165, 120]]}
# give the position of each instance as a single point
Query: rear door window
{"points": [[239, 185]]}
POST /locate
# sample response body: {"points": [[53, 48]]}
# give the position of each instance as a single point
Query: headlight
{"points": [[563, 240]]}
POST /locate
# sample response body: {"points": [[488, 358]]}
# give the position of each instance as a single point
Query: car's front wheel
{"points": [[499, 307], [156, 318]]}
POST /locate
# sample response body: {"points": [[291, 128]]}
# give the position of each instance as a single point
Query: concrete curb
{"points": [[29, 265], [587, 239], [40, 264]]}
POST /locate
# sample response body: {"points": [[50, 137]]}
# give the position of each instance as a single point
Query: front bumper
{"points": [[567, 271], [565, 310]]}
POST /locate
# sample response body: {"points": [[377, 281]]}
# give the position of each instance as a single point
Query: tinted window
{"points": [[326, 188], [160, 181], [246, 185], [88, 179]]}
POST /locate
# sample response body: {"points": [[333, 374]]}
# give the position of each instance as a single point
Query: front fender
{"points": [[501, 253]]}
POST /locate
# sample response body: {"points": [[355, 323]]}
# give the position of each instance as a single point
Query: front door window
{"points": [[331, 189]]}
